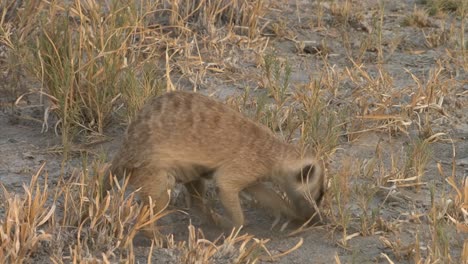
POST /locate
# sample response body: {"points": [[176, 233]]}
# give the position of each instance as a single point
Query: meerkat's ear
{"points": [[307, 173]]}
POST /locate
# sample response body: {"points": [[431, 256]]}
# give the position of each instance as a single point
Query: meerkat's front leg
{"points": [[271, 200], [229, 186], [154, 183], [230, 199]]}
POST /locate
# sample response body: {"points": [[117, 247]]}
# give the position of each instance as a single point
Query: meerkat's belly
{"points": [[191, 172]]}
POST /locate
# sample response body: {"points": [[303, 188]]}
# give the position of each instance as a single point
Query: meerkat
{"points": [[184, 137]]}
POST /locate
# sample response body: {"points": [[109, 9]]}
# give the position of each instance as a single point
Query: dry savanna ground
{"points": [[377, 88]]}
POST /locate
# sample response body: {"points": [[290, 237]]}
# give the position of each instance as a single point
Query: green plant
{"points": [[418, 157], [277, 76], [338, 200]]}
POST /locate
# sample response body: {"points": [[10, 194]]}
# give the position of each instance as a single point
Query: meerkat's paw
{"points": [[277, 221], [221, 221]]}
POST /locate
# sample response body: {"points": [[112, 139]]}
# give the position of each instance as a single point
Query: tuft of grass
{"points": [[320, 126], [343, 12], [337, 200], [439, 249], [94, 221], [455, 205], [417, 158], [17, 21], [365, 193], [401, 250], [280, 29], [23, 228], [418, 18], [319, 11], [277, 75], [438, 7], [209, 16]]}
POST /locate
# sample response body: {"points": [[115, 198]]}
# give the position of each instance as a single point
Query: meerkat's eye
{"points": [[306, 173]]}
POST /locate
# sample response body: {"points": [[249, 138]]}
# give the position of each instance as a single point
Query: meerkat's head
{"points": [[304, 185]]}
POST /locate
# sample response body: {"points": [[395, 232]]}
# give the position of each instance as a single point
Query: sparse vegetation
{"points": [[376, 89], [419, 18], [436, 7]]}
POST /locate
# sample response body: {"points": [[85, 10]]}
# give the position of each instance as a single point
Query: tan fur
{"points": [[183, 137]]}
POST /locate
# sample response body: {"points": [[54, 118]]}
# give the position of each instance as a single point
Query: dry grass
{"points": [[73, 224], [22, 227], [438, 7], [70, 221], [419, 18]]}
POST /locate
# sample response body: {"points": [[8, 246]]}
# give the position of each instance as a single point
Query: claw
{"points": [[283, 227], [276, 221]]}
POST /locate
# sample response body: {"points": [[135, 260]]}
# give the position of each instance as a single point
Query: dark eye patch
{"points": [[306, 173]]}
